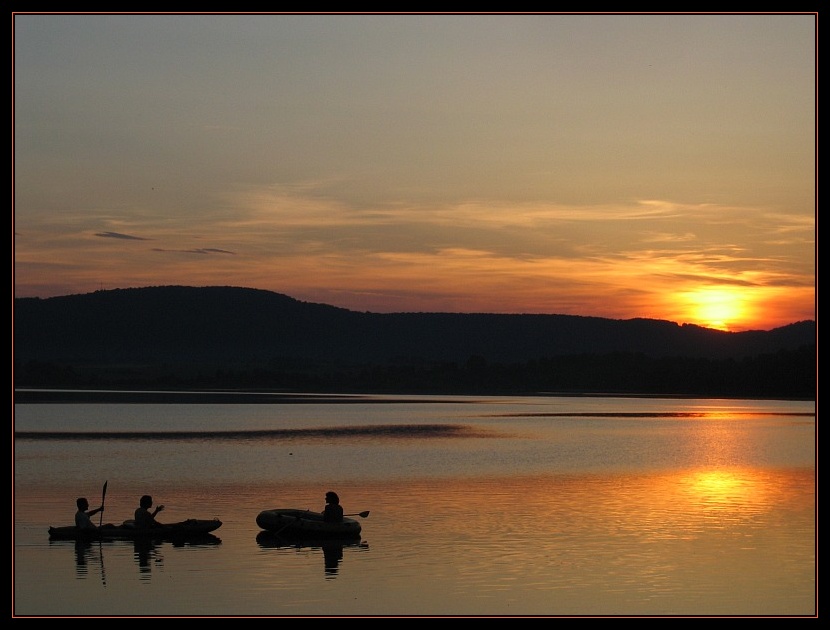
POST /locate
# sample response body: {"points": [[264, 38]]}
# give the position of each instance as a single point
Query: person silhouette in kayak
{"points": [[333, 512], [143, 517], [82, 516]]}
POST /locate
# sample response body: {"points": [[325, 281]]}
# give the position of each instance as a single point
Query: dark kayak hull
{"points": [[169, 531], [306, 524]]}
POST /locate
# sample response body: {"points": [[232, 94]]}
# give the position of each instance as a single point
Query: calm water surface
{"points": [[495, 506]]}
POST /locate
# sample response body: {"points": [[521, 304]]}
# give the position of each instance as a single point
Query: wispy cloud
{"points": [[126, 237], [201, 250]]}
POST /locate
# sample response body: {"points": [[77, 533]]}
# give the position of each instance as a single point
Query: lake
{"points": [[478, 506]]}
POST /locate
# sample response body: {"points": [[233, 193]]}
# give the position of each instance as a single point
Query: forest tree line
{"points": [[784, 374]]}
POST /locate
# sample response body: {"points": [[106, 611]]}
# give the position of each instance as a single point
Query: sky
{"points": [[622, 166]]}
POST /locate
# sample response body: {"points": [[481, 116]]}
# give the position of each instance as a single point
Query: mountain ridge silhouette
{"points": [[182, 331]]}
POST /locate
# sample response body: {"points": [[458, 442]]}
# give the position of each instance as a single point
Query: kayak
{"points": [[141, 544], [128, 531], [305, 523]]}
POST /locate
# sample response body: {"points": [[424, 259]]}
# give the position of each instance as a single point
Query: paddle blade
{"points": [[103, 496]]}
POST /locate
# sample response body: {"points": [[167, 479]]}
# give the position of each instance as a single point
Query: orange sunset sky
{"points": [[620, 166]]}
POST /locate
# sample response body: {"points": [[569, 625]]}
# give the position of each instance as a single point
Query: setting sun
{"points": [[723, 309]]}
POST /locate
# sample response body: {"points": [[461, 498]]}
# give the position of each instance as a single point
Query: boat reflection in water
{"points": [[86, 556], [146, 552], [332, 548]]}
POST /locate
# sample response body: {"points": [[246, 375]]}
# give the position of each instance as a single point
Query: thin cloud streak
{"points": [[204, 250], [332, 251], [126, 237]]}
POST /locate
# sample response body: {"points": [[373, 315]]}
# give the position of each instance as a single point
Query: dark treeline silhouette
{"points": [[226, 337]]}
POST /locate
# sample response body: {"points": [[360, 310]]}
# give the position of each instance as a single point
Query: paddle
{"points": [[103, 496], [360, 514]]}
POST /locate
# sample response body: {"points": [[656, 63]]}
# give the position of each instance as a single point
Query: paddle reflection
{"points": [[332, 548], [87, 555]]}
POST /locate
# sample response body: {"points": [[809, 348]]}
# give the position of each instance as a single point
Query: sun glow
{"points": [[723, 309]]}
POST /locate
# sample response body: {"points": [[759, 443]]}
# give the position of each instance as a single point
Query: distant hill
{"points": [[228, 336]]}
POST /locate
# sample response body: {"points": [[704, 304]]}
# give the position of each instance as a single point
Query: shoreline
{"points": [[237, 397]]}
